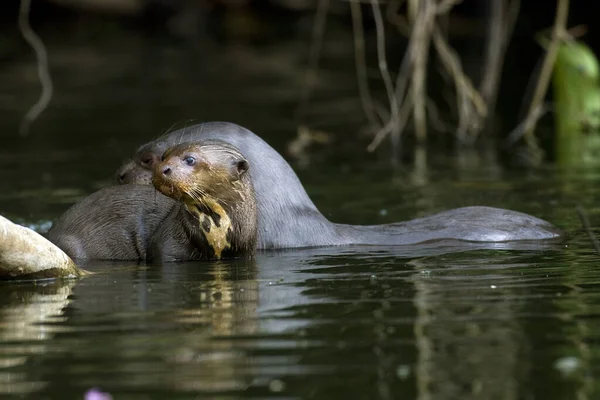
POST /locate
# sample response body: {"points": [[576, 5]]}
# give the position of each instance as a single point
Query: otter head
{"points": [[211, 179], [131, 172], [139, 169], [199, 172]]}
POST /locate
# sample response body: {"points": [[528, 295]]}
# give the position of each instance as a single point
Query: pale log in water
{"points": [[25, 254]]}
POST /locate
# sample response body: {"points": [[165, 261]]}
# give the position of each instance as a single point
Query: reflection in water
{"points": [[226, 304], [470, 350], [26, 314], [370, 322], [474, 327]]}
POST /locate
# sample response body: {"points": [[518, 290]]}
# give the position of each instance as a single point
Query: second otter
{"points": [[218, 216]]}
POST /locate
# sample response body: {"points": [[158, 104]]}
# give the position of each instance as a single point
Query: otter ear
{"points": [[239, 167]]}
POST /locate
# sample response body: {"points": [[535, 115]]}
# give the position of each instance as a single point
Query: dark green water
{"points": [[332, 323]]}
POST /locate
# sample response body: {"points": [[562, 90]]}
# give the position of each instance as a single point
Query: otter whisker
{"points": [[200, 191], [199, 198], [196, 197], [194, 194], [168, 130], [183, 134]]}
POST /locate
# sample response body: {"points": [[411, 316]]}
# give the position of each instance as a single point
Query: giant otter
{"points": [[217, 216], [287, 217]]}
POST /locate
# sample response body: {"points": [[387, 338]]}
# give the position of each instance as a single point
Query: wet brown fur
{"points": [[114, 223]]}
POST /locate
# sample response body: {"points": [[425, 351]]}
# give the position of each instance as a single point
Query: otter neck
{"points": [[212, 222]]}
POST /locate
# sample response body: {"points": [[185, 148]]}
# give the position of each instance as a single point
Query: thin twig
{"points": [[402, 121], [361, 64], [318, 33], [403, 76], [588, 228], [445, 6], [42, 68], [397, 19], [558, 30], [402, 94], [472, 107], [434, 117], [520, 129], [501, 28], [383, 68], [423, 15], [402, 87]]}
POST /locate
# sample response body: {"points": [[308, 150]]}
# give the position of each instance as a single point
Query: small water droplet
{"points": [[567, 365], [276, 386], [493, 286], [403, 371]]}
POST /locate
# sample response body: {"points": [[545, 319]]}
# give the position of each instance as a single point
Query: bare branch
{"points": [[361, 64], [383, 68], [313, 58], [42, 68]]}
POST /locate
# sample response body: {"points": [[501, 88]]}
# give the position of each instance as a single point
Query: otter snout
{"points": [[133, 173]]}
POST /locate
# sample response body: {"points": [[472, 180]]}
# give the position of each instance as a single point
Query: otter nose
{"points": [[166, 171], [121, 178]]}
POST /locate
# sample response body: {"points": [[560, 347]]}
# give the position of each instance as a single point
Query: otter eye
{"points": [[189, 160]]}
